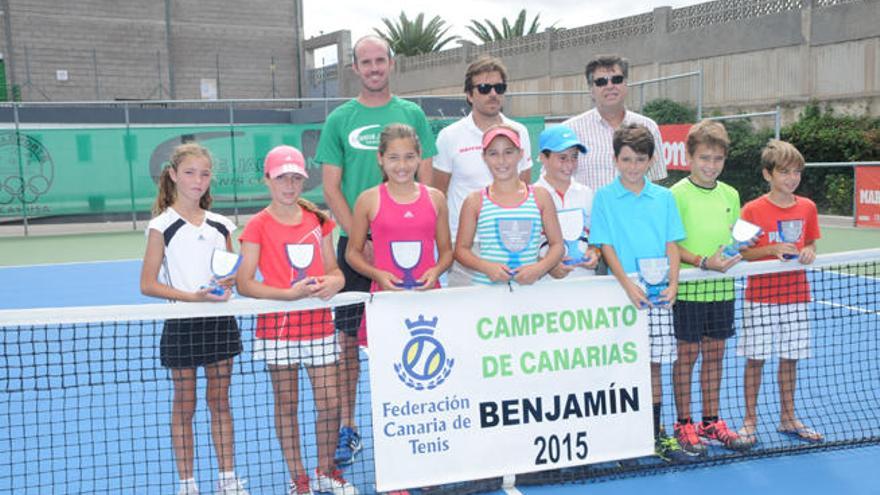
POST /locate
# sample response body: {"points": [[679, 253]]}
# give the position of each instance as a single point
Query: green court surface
{"points": [[39, 249]]}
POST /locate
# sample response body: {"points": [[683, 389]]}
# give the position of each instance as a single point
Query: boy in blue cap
{"points": [[560, 149]]}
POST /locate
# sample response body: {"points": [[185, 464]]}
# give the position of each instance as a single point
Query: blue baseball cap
{"points": [[559, 138]]}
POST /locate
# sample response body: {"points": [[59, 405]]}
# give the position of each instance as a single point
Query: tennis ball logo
{"points": [[423, 357], [423, 364]]}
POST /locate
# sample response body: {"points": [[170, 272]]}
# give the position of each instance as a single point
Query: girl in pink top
{"points": [[404, 219]]}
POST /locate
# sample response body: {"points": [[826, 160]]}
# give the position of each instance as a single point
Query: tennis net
{"points": [[87, 406]]}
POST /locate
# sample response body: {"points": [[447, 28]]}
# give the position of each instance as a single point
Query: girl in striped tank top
{"points": [[404, 219], [507, 218]]}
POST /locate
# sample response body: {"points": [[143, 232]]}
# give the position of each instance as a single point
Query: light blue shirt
{"points": [[635, 225]]}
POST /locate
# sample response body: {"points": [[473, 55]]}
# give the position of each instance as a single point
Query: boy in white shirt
{"points": [[560, 148]]}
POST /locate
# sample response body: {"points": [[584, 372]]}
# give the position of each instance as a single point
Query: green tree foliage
{"points": [[666, 111], [413, 37], [487, 31], [821, 136]]}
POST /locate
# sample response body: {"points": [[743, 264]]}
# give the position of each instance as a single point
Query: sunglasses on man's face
{"points": [[603, 81], [486, 88]]}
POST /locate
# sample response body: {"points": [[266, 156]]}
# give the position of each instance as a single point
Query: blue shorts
{"points": [[695, 320]]}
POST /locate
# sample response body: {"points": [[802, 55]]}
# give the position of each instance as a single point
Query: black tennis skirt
{"points": [[194, 342]]}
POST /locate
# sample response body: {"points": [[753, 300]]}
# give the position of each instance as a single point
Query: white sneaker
{"points": [[187, 489], [232, 486], [332, 483], [300, 486]]}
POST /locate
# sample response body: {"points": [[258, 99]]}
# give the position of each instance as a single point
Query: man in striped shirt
{"points": [[606, 78]]}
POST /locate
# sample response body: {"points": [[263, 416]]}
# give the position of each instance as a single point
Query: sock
{"points": [[709, 419], [657, 407], [226, 476], [686, 420], [189, 483]]}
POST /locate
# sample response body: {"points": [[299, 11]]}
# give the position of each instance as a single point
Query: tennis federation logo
{"points": [[424, 365]]}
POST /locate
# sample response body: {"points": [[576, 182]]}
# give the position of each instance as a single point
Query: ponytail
{"points": [[313, 208], [167, 192], [168, 189]]}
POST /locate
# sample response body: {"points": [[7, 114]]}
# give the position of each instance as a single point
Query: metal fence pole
{"points": [[777, 122], [95, 69], [129, 153], [20, 167], [700, 94], [232, 162], [641, 97]]}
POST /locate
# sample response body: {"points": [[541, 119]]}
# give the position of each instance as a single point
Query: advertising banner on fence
{"points": [[674, 145], [49, 171], [479, 382], [867, 196]]}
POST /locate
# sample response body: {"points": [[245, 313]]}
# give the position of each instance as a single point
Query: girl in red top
{"points": [[291, 224]]}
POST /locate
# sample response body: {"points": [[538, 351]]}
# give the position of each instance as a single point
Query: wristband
{"points": [[703, 263]]}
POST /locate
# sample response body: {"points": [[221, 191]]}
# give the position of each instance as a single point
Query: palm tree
{"points": [[412, 37], [489, 32]]}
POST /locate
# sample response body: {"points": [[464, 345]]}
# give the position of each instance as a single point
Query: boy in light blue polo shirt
{"points": [[632, 219]]}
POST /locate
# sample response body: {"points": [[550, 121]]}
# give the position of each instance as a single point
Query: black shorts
{"points": [[348, 318], [194, 342], [694, 320]]}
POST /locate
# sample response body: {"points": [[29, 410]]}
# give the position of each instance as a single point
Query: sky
{"points": [[360, 17]]}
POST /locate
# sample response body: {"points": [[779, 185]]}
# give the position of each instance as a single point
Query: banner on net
{"points": [[479, 382]]}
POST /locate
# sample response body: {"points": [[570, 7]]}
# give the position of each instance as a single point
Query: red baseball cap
{"points": [[284, 160], [500, 130]]}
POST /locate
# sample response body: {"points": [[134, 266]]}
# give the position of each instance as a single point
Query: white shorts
{"points": [[317, 352], [459, 276], [661, 335], [774, 329]]}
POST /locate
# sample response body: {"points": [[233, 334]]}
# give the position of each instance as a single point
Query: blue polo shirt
{"points": [[635, 225]]}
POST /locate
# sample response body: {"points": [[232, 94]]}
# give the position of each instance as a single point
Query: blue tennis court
{"points": [[88, 406]]}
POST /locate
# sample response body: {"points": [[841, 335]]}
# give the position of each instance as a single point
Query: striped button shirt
{"points": [[523, 219], [596, 166]]}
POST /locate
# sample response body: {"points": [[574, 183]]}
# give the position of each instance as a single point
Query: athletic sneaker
{"points": [[666, 448], [233, 486], [187, 489], [348, 445], [332, 482], [300, 486], [688, 440], [717, 431]]}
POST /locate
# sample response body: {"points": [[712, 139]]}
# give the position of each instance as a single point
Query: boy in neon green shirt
{"points": [[703, 315]]}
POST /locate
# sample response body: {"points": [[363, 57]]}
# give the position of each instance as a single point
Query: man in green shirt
{"points": [[703, 314], [347, 152]]}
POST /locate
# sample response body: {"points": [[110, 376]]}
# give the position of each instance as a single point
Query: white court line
{"points": [[857, 309], [63, 263]]}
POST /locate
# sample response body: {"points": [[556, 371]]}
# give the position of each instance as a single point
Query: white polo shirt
{"points": [[460, 154], [576, 196], [596, 166], [188, 248]]}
